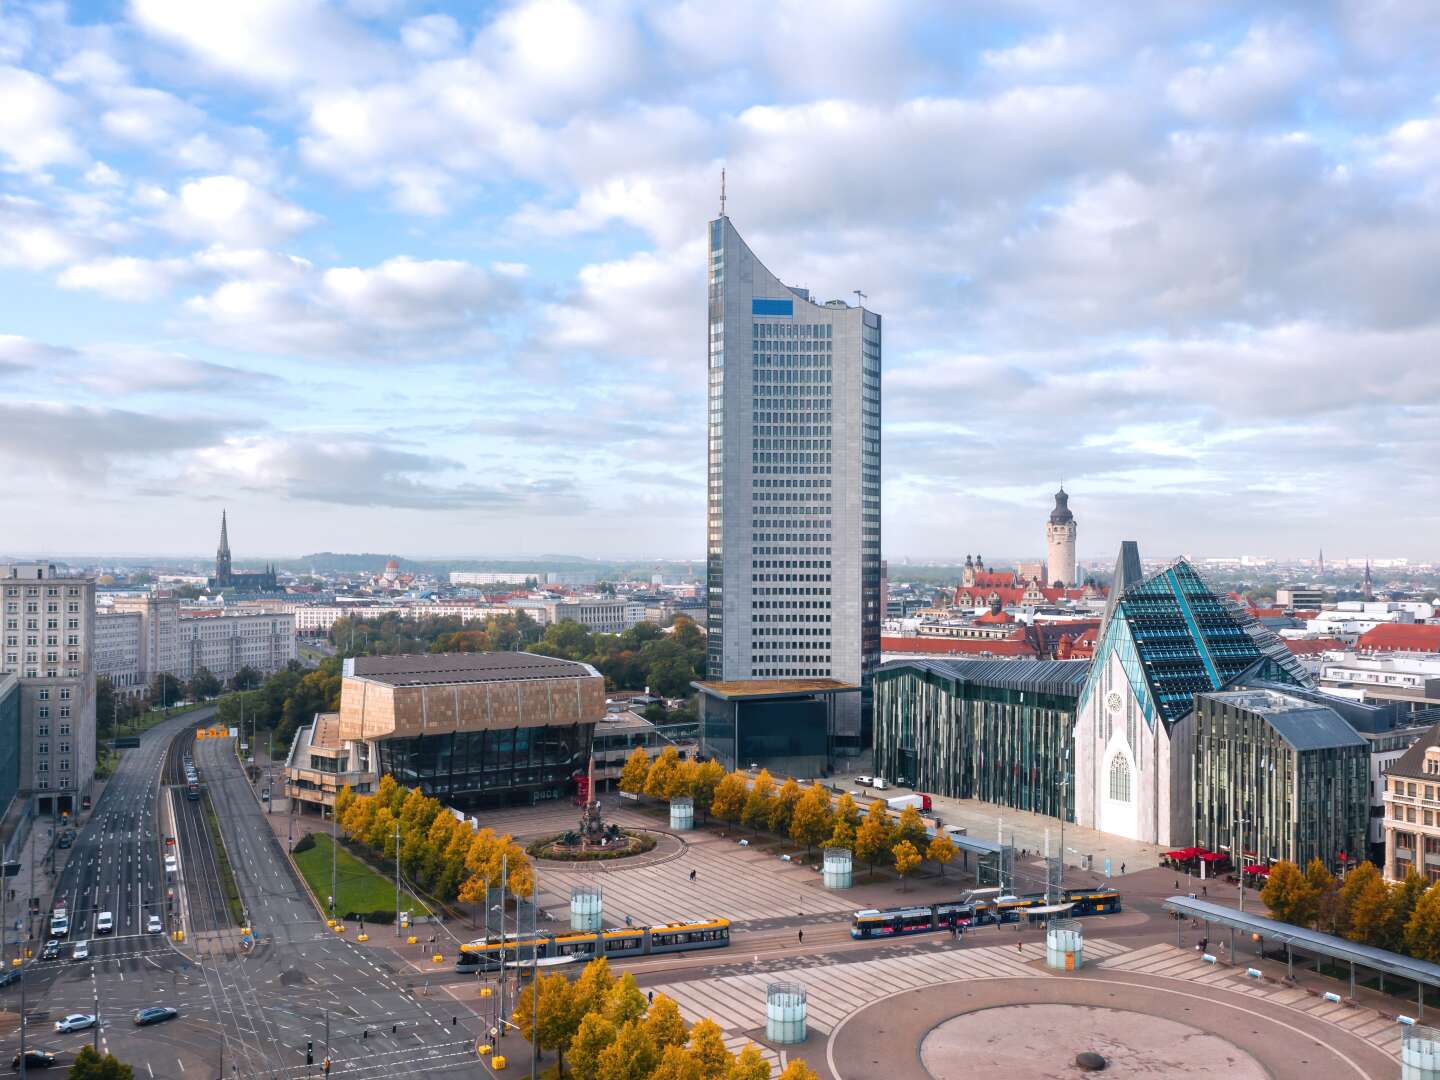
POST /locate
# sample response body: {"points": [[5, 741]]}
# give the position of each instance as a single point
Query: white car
{"points": [[74, 1022], [864, 781], [80, 950], [104, 922], [153, 925]]}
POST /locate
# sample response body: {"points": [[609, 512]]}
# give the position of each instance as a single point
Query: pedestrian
{"points": [[692, 875], [650, 997], [1177, 884], [1204, 890], [1122, 869], [802, 937], [1019, 946], [627, 920]]}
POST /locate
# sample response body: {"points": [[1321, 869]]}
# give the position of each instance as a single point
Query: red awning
{"points": [[1258, 869], [1184, 854], [1211, 856]]}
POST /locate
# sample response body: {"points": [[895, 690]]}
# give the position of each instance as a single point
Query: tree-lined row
{"points": [[1402, 916], [807, 816], [603, 1028], [439, 853]]}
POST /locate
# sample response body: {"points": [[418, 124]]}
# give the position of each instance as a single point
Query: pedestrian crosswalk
{"points": [[834, 990], [1169, 962]]}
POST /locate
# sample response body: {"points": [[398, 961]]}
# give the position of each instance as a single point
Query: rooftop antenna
{"points": [[860, 295], [722, 192]]}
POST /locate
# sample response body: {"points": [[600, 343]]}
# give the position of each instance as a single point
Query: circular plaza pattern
{"points": [[1037, 1042]]}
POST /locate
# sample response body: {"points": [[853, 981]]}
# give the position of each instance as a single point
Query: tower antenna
{"points": [[722, 192], [860, 295]]}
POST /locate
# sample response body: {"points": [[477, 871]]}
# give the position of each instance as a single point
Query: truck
{"points": [[900, 802]]}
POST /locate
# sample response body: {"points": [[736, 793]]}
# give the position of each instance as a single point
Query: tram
{"points": [[581, 945], [976, 911]]}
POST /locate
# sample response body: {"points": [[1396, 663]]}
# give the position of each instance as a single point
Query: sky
{"points": [[395, 276]]}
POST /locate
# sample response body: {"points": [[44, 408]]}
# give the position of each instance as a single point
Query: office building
{"points": [[467, 728], [598, 615], [1279, 777], [49, 640], [793, 520], [142, 637], [119, 641], [10, 739], [1060, 533]]}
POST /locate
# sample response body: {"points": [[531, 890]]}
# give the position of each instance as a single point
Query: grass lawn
{"points": [[361, 889]]}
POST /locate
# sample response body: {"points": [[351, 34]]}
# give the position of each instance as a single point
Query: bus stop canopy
{"points": [[1309, 941]]}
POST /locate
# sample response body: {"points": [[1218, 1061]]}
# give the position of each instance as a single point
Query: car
{"points": [[155, 1014], [172, 865], [11, 975], [74, 1022], [59, 926], [80, 950], [864, 781], [153, 925], [104, 922], [51, 950], [265, 795], [34, 1059], [65, 840]]}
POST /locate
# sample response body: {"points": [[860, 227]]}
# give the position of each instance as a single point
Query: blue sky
{"points": [[381, 275]]}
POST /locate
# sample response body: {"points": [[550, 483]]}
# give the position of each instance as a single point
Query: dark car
{"points": [[155, 1014], [51, 950], [10, 976], [34, 1059], [65, 840]]}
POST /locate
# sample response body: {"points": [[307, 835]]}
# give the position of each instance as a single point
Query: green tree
{"points": [[782, 807], [941, 852], [906, 860], [1288, 895], [166, 690], [636, 772], [750, 1064], [658, 782], [872, 839], [594, 1036], [707, 1045], [707, 781], [204, 684], [89, 1065], [1422, 932], [1371, 914], [911, 828], [757, 803], [730, 795], [247, 678], [664, 1023], [632, 1056], [811, 821]]}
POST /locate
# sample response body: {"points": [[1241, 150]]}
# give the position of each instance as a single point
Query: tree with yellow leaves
{"points": [[658, 782], [592, 988], [677, 1063], [906, 860], [798, 1070], [625, 1001], [682, 780], [750, 1064], [757, 803], [782, 807], [707, 781], [847, 811], [555, 1014], [664, 1023], [842, 836], [592, 1038], [811, 821], [632, 1056], [873, 839], [635, 772], [911, 828], [729, 801], [941, 852], [707, 1045]]}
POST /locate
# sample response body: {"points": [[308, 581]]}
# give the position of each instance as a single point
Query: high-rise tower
{"points": [[793, 527], [1060, 542]]}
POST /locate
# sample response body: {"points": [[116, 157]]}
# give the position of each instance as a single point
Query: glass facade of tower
{"points": [[793, 473]]}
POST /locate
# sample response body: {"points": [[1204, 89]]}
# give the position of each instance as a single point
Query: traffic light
{"points": [[309, 1051]]}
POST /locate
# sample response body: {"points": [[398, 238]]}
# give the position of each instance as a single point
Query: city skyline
{"points": [[1118, 251]]}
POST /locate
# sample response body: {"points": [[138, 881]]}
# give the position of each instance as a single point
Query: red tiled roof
{"points": [[1312, 646], [989, 578], [1401, 637], [995, 617], [1016, 645]]}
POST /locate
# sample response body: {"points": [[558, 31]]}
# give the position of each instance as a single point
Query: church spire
{"points": [[222, 554]]}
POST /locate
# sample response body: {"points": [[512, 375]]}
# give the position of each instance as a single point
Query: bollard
{"points": [[484, 1049], [362, 937], [1332, 997], [1209, 958], [1407, 1020], [411, 940], [486, 992], [1254, 973], [437, 958], [497, 1062]]}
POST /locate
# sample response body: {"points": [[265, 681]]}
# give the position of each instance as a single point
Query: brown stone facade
{"points": [[370, 709]]}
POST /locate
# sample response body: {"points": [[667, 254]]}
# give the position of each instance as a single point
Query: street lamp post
{"points": [[1240, 852]]}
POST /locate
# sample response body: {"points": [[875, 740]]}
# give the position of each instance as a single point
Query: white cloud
{"points": [[127, 277], [278, 43], [231, 210], [35, 237], [1260, 75], [431, 35], [34, 123]]}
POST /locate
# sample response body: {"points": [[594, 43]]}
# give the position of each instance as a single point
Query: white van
{"points": [[104, 922], [59, 925], [880, 784]]}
